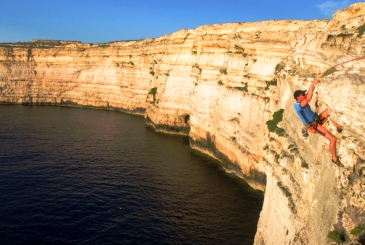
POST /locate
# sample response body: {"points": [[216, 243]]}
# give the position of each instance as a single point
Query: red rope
{"points": [[358, 58], [317, 99]]}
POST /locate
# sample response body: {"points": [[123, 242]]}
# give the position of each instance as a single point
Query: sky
{"points": [[98, 21]]}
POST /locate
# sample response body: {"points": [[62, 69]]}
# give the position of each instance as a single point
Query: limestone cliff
{"points": [[226, 87]]}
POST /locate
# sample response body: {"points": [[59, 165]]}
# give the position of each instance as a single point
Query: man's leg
{"points": [[324, 132], [325, 115]]}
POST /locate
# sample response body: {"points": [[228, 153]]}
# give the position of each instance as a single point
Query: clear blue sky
{"points": [[96, 21]]}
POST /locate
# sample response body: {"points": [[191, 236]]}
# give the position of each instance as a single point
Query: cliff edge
{"points": [[229, 88]]}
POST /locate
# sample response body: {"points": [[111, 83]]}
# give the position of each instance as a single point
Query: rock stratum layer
{"points": [[226, 86]]}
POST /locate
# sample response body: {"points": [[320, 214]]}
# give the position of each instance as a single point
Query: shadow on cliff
{"points": [[254, 177]]}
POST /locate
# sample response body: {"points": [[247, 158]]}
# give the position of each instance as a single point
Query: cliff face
{"points": [[223, 85]]}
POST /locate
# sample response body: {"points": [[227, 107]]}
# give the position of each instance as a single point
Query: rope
{"points": [[316, 103], [358, 58], [331, 71]]}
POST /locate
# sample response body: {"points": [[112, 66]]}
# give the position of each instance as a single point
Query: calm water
{"points": [[81, 176]]}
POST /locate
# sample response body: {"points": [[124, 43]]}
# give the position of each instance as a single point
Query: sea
{"points": [[87, 176]]}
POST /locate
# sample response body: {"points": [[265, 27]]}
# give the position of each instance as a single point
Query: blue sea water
{"points": [[83, 176]]}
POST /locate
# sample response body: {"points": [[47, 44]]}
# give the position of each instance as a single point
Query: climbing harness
{"points": [[312, 126]]}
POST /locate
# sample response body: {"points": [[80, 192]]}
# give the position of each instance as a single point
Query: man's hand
{"points": [[317, 77]]}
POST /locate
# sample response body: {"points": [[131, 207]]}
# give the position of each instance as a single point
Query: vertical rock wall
{"points": [[225, 86]]}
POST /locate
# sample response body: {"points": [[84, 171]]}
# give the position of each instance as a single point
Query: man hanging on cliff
{"points": [[313, 121]]}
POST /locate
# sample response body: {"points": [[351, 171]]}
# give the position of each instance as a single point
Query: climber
{"points": [[313, 121]]}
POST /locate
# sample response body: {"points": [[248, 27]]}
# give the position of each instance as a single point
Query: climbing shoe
{"points": [[338, 163], [339, 129], [305, 132]]}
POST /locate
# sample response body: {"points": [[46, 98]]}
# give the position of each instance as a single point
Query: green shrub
{"points": [[242, 88], [329, 71], [304, 164], [237, 47], [220, 82], [280, 131], [357, 230], [293, 148], [153, 91], [279, 67], [273, 124], [336, 236], [361, 30], [223, 71], [273, 82], [277, 157], [152, 72]]}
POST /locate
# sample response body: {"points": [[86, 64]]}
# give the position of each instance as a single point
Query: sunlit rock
{"points": [[222, 85]]}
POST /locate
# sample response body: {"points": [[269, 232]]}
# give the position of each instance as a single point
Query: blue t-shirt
{"points": [[305, 113]]}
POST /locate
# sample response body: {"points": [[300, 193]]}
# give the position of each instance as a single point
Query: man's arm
{"points": [[309, 94]]}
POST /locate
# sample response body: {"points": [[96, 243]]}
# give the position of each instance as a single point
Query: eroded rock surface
{"points": [[221, 85]]}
